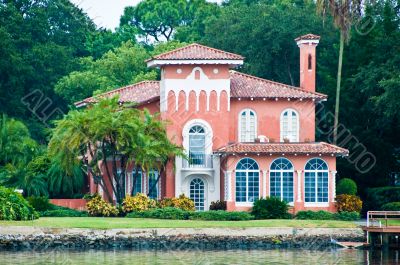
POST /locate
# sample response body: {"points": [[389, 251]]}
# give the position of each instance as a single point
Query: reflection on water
{"points": [[340, 256]]}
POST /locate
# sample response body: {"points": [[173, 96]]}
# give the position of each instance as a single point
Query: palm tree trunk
{"points": [[339, 79]]}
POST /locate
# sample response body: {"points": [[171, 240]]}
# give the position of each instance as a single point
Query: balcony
{"points": [[198, 161]]}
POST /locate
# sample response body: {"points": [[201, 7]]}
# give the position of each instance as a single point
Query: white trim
{"points": [[247, 177], [289, 123], [333, 173], [317, 204], [281, 176], [300, 42], [208, 134], [247, 129], [299, 195], [244, 204], [157, 62], [265, 172], [228, 193]]}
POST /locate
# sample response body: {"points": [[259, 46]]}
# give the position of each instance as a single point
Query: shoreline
{"points": [[39, 238]]}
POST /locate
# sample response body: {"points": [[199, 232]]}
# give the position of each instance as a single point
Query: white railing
{"points": [[198, 161], [376, 217]]}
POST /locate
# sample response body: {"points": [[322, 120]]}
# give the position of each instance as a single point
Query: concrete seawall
{"points": [[39, 238]]}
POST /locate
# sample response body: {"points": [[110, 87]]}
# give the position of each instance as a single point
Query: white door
{"points": [[197, 190]]}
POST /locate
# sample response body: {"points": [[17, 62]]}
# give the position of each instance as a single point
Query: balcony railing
{"points": [[198, 161]]}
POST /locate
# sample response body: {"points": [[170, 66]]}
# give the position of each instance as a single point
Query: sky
{"points": [[106, 13]]}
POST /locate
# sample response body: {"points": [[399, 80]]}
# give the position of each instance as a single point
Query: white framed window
{"points": [[197, 193], [153, 176], [289, 126], [247, 126], [197, 145], [247, 181], [138, 187], [281, 179], [316, 181]]}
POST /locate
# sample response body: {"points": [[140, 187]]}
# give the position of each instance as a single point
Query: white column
{"points": [[265, 172], [228, 186], [333, 174], [299, 181]]}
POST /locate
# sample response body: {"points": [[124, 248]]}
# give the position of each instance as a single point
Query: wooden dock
{"points": [[383, 229]]}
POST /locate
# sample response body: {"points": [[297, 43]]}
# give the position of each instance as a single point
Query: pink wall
{"points": [[78, 204]]}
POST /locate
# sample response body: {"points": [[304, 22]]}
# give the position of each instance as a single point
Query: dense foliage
{"points": [[346, 186], [391, 206], [99, 207], [377, 197], [162, 213], [218, 205], [138, 203], [348, 203], [14, 207], [324, 215], [182, 202], [270, 208], [221, 216]]}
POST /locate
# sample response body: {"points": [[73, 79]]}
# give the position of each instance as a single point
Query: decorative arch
{"points": [[247, 175], [316, 181], [281, 179], [247, 124], [290, 125], [208, 134]]}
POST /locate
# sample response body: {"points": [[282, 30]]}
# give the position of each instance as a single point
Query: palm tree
{"points": [[344, 13]]}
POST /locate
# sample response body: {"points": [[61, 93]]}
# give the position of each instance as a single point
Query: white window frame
{"points": [[291, 111], [248, 125], [281, 171], [208, 134], [247, 202], [315, 203]]}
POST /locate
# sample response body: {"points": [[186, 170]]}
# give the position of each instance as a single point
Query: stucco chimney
{"points": [[307, 44]]}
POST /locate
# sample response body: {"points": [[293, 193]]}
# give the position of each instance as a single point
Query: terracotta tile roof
{"points": [[248, 86], [308, 37], [196, 51], [140, 93], [283, 148]]}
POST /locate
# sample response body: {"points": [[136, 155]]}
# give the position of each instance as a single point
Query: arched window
{"points": [[247, 126], [197, 145], [281, 179], [247, 180], [289, 126], [197, 193], [316, 181]]}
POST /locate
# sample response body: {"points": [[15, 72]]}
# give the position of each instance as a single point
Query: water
{"points": [[341, 256]]}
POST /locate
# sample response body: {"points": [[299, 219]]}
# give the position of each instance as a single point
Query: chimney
{"points": [[307, 44]]}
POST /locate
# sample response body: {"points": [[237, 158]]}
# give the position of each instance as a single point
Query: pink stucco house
{"points": [[246, 137]]}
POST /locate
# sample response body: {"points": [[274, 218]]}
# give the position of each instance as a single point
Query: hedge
{"points": [[324, 215], [377, 197], [220, 215]]}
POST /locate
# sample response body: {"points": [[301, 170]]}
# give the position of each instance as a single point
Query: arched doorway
{"points": [[197, 190]]}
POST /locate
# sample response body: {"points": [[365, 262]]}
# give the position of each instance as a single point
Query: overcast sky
{"points": [[106, 13]]}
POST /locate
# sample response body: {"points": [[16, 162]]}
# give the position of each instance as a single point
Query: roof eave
{"points": [[161, 62]]}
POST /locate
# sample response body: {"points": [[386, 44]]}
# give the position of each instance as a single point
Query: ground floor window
{"points": [[153, 185], [247, 180], [137, 185], [316, 177], [197, 193], [281, 179]]}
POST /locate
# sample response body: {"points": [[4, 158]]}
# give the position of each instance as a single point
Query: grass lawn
{"points": [[109, 223]]}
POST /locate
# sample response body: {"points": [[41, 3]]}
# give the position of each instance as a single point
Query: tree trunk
{"points": [[339, 79]]}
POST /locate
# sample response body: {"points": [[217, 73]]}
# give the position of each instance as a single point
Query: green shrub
{"points": [[218, 205], [221, 215], [347, 216], [162, 213], [99, 207], [138, 203], [182, 202], [348, 203], [314, 215], [270, 208], [14, 207], [346, 186], [377, 197], [325, 215], [40, 203], [391, 206], [63, 213]]}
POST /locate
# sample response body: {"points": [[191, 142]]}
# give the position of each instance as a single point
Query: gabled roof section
{"points": [[317, 148], [248, 86], [140, 93], [308, 37], [195, 53]]}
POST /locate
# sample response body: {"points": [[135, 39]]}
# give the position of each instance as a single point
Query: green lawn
{"points": [[109, 223]]}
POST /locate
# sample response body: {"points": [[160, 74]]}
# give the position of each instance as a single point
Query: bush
{"points": [[325, 215], [14, 207], [377, 197], [138, 203], [314, 215], [182, 202], [218, 205], [63, 213], [348, 203], [221, 215], [346, 186], [99, 207], [270, 208], [162, 213], [391, 206], [40, 203]]}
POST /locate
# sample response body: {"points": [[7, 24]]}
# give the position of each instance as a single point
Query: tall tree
{"points": [[344, 13]]}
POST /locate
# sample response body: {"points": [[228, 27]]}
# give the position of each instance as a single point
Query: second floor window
{"points": [[289, 126], [247, 126], [197, 145]]}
